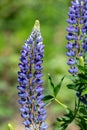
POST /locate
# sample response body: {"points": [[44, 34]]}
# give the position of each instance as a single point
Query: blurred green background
{"points": [[17, 18]]}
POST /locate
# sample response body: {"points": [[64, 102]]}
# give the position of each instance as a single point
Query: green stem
{"points": [[63, 105]]}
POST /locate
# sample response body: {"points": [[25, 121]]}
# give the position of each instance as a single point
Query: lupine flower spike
{"points": [[77, 40], [30, 82], [84, 31], [74, 36]]}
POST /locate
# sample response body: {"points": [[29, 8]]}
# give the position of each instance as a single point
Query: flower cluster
{"points": [[74, 37], [77, 41], [84, 30], [30, 82]]}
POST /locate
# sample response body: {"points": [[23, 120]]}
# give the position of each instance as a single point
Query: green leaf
{"points": [[84, 92], [59, 119], [72, 86], [83, 110], [51, 82], [81, 68], [82, 76], [57, 88], [66, 119], [48, 97]]}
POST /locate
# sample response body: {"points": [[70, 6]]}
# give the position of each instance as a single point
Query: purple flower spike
{"points": [[77, 41], [30, 82], [84, 27], [74, 35]]}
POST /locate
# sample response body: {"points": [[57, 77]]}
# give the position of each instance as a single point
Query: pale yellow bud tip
{"points": [[10, 126], [37, 24], [81, 61]]}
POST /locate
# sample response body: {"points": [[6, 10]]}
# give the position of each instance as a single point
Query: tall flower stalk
{"points": [[84, 31], [74, 36], [77, 46], [31, 83]]}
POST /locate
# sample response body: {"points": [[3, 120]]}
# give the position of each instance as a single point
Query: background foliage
{"points": [[16, 21]]}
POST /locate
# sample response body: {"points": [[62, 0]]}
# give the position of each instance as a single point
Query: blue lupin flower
{"points": [[73, 47], [83, 98], [84, 30], [77, 48], [30, 82]]}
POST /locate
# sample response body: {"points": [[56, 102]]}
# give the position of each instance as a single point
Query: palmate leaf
{"points": [[57, 87], [81, 118], [79, 82], [48, 99], [84, 92], [82, 76], [66, 119], [83, 110], [51, 82], [72, 86], [81, 122]]}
